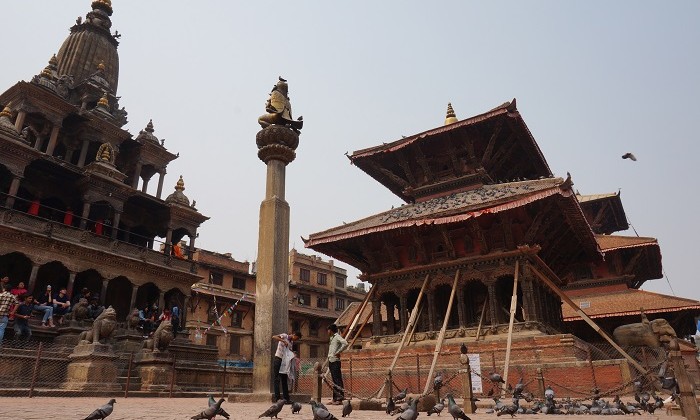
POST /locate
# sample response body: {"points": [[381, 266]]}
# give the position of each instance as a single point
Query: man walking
{"points": [[284, 344], [7, 300], [336, 346]]}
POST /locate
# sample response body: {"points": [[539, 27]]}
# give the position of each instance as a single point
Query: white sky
{"points": [[593, 80]]}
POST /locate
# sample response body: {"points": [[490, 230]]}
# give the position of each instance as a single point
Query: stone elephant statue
{"points": [[646, 333]]}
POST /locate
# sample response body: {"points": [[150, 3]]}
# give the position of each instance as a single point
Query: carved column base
{"points": [[92, 366], [155, 370]]}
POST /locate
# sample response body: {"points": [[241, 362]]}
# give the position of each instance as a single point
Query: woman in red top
{"points": [[19, 290]]}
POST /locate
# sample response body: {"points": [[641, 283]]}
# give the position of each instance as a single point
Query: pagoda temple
{"points": [[76, 210]]}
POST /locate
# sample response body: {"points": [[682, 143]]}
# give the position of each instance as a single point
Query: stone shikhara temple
{"points": [[77, 210], [480, 204]]}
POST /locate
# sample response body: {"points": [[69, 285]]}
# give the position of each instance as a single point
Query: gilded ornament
{"points": [[279, 109]]}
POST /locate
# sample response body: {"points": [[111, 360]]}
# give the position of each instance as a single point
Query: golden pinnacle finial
{"points": [[451, 118], [101, 66], [6, 112], [104, 101], [180, 186]]}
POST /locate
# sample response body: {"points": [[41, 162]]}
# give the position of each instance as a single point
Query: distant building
{"points": [[318, 294]]}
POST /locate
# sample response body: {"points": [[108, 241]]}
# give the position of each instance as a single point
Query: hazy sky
{"points": [[593, 80]]}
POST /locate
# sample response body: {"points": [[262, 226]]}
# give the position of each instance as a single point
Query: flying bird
{"points": [[629, 156], [103, 411]]}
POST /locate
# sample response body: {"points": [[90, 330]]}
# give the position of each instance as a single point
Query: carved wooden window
{"points": [[234, 345], [304, 299], [237, 319], [313, 327], [216, 277], [339, 304], [340, 282], [211, 340], [322, 278], [238, 283], [322, 302], [304, 275]]}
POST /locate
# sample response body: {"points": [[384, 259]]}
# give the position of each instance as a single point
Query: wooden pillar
{"points": [[134, 290], [137, 175], [53, 139], [376, 317], [83, 153], [32, 278], [403, 311], [431, 310], [115, 224], [12, 192], [161, 177], [461, 308], [493, 303], [528, 309], [85, 214], [103, 291], [71, 282]]}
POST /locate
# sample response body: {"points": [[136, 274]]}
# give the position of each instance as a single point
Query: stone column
{"points": [[168, 241], [431, 310], [493, 303], [12, 193], [276, 146], [390, 320], [69, 155], [376, 318], [137, 175], [161, 301], [39, 142], [53, 139], [403, 311], [71, 282], [32, 278], [85, 214], [161, 177], [191, 250], [144, 187], [19, 121], [83, 153]]}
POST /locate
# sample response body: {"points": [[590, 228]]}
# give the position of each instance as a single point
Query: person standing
{"points": [[336, 346], [7, 302], [175, 311], [284, 344]]}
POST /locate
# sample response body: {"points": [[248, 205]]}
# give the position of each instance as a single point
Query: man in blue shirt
{"points": [[22, 315]]}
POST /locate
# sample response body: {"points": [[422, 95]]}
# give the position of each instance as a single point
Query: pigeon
{"points": [[490, 393], [320, 413], [347, 408], [496, 378], [221, 412], [403, 406], [549, 392], [668, 383], [401, 395], [274, 410], [463, 348], [454, 409], [437, 382], [509, 409], [519, 387], [629, 156], [210, 412], [437, 408], [103, 411], [411, 413], [390, 406], [296, 408]]}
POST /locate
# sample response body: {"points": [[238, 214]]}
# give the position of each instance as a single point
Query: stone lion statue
{"points": [[80, 311], [161, 338], [102, 328], [133, 321]]}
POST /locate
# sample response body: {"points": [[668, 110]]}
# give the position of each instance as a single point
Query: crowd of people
{"points": [[16, 303], [150, 318]]}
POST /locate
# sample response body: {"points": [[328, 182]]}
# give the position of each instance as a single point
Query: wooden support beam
{"points": [[448, 241], [492, 143], [481, 319], [479, 234], [441, 337], [359, 331], [403, 162], [535, 267], [513, 307], [423, 162], [506, 150]]}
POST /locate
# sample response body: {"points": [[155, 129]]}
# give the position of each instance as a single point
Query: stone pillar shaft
{"points": [[103, 291], [144, 187], [84, 216], [403, 311], [52, 140], [12, 193], [32, 278], [115, 224], [460, 306], [493, 303], [83, 153], [137, 175], [161, 177], [376, 318], [19, 122], [431, 311]]}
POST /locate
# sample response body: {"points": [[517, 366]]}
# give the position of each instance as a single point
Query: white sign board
{"points": [[475, 366]]}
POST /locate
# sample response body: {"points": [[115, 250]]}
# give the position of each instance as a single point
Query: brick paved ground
{"points": [[184, 408]]}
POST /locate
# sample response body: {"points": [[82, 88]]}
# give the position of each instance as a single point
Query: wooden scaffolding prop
{"points": [[513, 309]]}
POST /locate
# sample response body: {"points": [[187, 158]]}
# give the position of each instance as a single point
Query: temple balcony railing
{"points": [[60, 232]]}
